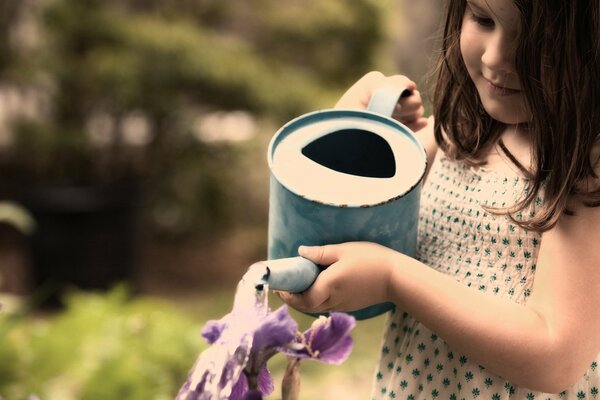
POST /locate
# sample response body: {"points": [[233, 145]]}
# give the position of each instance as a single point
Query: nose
{"points": [[499, 53]]}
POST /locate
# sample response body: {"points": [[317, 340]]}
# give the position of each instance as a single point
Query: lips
{"points": [[499, 89]]}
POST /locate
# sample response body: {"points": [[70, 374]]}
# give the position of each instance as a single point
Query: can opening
{"points": [[355, 152]]}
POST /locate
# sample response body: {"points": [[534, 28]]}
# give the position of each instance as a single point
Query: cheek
{"points": [[469, 48]]}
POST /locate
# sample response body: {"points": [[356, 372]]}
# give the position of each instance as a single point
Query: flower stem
{"points": [[290, 386], [252, 380]]}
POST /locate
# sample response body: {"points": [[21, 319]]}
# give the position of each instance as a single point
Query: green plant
{"points": [[101, 347]]}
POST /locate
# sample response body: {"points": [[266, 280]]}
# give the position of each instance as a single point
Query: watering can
{"points": [[339, 176]]}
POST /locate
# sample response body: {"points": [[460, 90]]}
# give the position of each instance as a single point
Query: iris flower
{"points": [[328, 340], [262, 335], [244, 374]]}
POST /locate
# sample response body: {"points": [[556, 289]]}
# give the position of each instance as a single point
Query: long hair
{"points": [[557, 61]]}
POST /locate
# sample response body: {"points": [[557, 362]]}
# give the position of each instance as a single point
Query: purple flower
{"points": [[257, 336], [277, 330], [328, 340], [253, 395], [264, 385], [212, 330]]}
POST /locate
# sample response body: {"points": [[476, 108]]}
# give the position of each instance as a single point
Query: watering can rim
{"points": [[317, 116]]}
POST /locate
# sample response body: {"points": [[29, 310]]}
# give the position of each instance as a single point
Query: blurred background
{"points": [[133, 174]]}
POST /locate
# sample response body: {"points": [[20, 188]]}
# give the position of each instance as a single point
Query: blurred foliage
{"points": [[8, 13], [100, 347], [169, 62]]}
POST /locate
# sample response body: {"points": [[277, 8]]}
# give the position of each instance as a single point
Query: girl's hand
{"points": [[357, 276], [409, 110]]}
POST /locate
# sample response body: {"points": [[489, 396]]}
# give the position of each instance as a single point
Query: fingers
{"points": [[410, 111], [359, 94], [314, 300], [399, 81], [417, 124], [317, 298], [320, 255], [409, 106]]}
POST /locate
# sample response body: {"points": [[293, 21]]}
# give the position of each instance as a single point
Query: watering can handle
{"points": [[383, 101]]}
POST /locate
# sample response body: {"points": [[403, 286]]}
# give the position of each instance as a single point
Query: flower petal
{"points": [[265, 382], [333, 340], [253, 395], [337, 354], [212, 330], [240, 387], [265, 386], [277, 329], [328, 340]]}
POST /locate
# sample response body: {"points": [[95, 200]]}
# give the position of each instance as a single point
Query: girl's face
{"points": [[488, 42]]}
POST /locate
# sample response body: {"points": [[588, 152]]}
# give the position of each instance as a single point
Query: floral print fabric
{"points": [[486, 252]]}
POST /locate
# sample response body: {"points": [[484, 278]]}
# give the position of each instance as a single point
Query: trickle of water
{"points": [[219, 367], [251, 292]]}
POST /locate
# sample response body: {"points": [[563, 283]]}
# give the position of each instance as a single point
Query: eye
{"points": [[479, 18], [482, 21]]}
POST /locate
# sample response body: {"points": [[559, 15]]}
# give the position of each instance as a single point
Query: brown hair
{"points": [[557, 61]]}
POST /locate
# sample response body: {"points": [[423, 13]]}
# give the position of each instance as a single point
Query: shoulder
{"points": [[582, 221]]}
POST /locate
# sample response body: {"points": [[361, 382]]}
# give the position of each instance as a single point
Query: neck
{"points": [[512, 151]]}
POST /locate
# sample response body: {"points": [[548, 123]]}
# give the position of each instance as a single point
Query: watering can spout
{"points": [[293, 274]]}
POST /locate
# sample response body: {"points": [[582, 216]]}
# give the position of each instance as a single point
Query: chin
{"points": [[507, 115], [507, 120]]}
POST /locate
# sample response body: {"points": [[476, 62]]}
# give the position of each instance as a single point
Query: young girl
{"points": [[503, 298]]}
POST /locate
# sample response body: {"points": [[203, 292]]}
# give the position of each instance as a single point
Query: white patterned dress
{"points": [[484, 251]]}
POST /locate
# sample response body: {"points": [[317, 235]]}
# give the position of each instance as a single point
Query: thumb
{"points": [[320, 255], [410, 85]]}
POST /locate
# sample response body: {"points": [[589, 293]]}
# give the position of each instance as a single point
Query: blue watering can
{"points": [[339, 176]]}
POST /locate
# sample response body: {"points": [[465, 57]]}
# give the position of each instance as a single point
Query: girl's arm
{"points": [[545, 345]]}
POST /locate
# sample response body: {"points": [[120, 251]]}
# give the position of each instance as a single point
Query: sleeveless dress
{"points": [[486, 252]]}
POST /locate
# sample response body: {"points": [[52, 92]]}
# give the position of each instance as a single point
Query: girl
{"points": [[511, 195]]}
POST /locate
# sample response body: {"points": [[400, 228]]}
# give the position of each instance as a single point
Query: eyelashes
{"points": [[481, 20]]}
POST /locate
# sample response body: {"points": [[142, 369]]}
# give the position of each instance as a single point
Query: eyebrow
{"points": [[476, 7]]}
